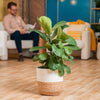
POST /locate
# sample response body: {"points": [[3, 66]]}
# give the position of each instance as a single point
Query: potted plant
{"points": [[97, 2], [59, 48]]}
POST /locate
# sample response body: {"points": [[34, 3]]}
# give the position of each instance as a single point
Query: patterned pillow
{"points": [[77, 35]]}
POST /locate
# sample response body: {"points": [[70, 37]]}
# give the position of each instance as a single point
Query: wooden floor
{"points": [[18, 81]]}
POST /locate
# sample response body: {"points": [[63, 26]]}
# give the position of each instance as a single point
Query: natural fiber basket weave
{"points": [[50, 88]]}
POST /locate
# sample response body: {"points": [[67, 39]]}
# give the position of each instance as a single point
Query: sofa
{"points": [[85, 42], [6, 43]]}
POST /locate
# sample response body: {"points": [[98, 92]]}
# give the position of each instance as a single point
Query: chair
{"points": [[6, 43], [85, 42]]}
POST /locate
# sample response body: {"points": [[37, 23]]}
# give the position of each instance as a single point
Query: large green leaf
{"points": [[71, 61], [55, 41], [61, 34], [42, 62], [68, 69], [48, 46], [71, 41], [71, 57], [53, 63], [36, 58], [36, 48], [64, 57], [43, 56], [54, 34], [46, 24], [60, 44], [61, 69], [73, 47], [62, 23], [65, 26], [67, 50], [42, 35], [61, 72], [57, 51]]}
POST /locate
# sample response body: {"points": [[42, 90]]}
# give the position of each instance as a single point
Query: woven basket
{"points": [[49, 82], [50, 88]]}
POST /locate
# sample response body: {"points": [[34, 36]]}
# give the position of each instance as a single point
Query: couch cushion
{"points": [[25, 44]]}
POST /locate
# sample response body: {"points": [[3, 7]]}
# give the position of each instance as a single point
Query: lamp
{"points": [[73, 2], [62, 0]]}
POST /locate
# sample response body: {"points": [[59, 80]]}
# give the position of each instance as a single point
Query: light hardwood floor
{"points": [[18, 81]]}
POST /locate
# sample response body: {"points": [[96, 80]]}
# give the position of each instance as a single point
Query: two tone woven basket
{"points": [[49, 82]]}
